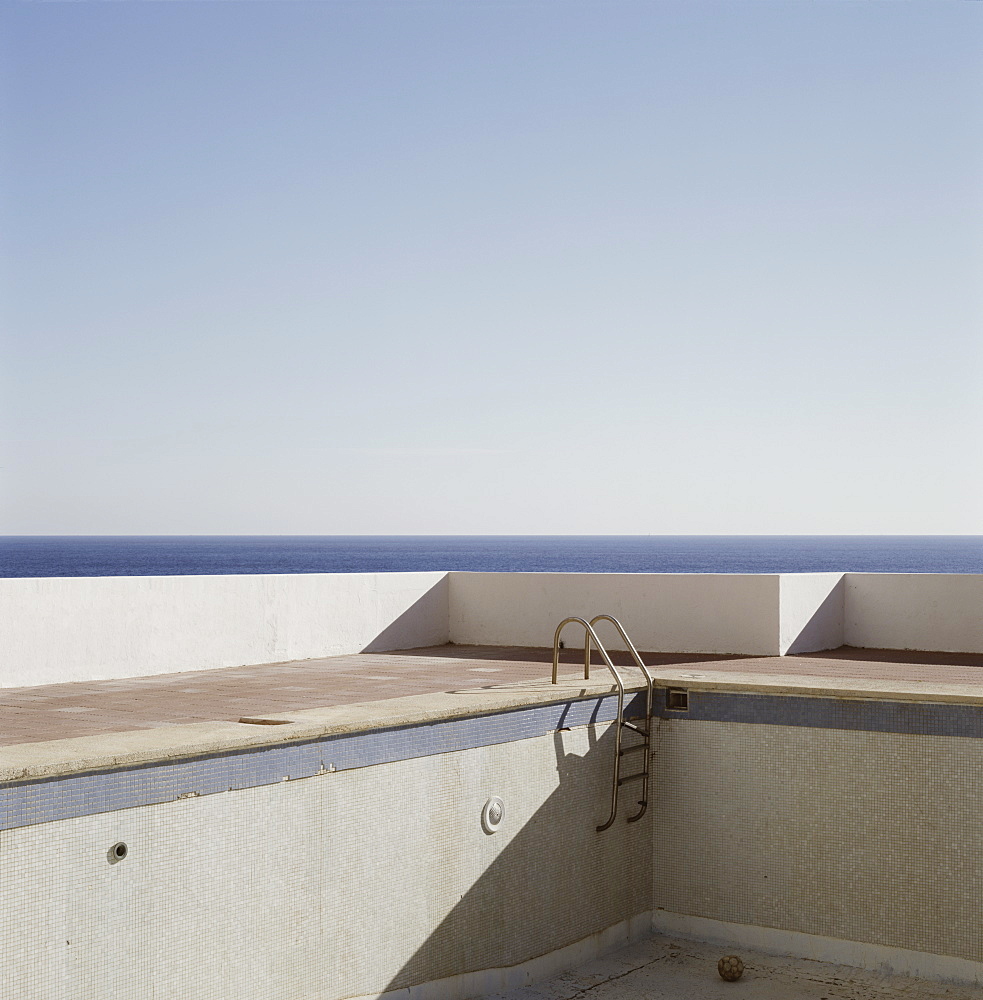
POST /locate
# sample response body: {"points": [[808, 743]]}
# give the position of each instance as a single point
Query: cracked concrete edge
{"points": [[108, 751]]}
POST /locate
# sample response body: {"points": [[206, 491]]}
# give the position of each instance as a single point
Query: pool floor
{"points": [[664, 968]]}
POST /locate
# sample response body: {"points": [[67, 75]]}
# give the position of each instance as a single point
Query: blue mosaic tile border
{"points": [[910, 717], [26, 803]]}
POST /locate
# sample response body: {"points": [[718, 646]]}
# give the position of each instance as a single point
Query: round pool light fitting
{"points": [[492, 814]]}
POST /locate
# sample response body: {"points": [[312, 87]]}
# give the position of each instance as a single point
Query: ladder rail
{"points": [[649, 679], [591, 635], [649, 698]]}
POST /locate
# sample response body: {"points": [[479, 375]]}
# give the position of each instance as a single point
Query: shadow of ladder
{"points": [[643, 730]]}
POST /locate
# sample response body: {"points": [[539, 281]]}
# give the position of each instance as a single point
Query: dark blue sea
{"points": [[169, 555]]}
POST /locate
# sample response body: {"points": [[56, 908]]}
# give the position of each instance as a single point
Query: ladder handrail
{"points": [[649, 679], [589, 634], [649, 695]]}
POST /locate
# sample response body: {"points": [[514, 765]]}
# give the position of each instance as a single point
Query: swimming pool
{"points": [[343, 852]]}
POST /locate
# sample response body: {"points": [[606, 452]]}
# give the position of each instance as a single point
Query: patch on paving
{"points": [[676, 969]]}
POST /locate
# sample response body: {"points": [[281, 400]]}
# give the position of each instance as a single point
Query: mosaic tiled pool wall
{"points": [[349, 882], [859, 820]]}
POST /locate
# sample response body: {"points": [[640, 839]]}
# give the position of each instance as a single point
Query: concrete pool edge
{"points": [[132, 748]]}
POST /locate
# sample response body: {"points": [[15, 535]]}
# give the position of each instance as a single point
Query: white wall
{"points": [[65, 629], [84, 628], [662, 612], [811, 612], [716, 613], [931, 611]]}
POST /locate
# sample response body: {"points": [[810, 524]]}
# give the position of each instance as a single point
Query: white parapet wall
{"points": [[662, 612], [930, 611], [764, 615], [84, 628]]}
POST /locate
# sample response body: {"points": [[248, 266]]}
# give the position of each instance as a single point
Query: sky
{"points": [[480, 267]]}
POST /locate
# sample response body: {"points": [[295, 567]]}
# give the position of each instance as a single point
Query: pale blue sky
{"points": [[492, 267]]}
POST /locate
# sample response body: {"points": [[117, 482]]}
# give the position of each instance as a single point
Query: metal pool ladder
{"points": [[644, 730]]}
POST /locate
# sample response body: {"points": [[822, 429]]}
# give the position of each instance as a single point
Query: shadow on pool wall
{"points": [[853, 846], [554, 882]]}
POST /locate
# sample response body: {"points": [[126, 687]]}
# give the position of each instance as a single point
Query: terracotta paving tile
{"points": [[61, 711]]}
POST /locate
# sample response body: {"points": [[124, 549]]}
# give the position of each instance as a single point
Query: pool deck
{"points": [[61, 728]]}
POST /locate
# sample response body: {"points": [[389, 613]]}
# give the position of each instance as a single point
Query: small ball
{"points": [[730, 968]]}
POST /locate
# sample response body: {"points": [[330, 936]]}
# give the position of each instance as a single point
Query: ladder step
{"points": [[641, 746], [634, 728], [632, 777]]}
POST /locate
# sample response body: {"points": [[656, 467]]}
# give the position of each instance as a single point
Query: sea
{"points": [[172, 555]]}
